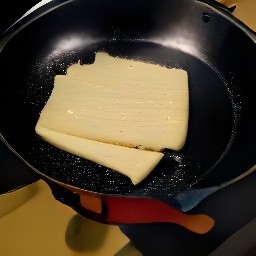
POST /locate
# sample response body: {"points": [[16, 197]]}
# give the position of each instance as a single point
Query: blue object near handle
{"points": [[187, 200]]}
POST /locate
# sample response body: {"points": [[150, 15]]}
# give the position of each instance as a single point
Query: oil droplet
{"points": [[70, 112]]}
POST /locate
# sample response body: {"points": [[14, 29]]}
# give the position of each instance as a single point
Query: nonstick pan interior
{"points": [[61, 37]]}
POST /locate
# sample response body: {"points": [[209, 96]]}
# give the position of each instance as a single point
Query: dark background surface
{"points": [[11, 168], [12, 11]]}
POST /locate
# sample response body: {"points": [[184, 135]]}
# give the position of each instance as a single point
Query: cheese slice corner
{"points": [[131, 162]]}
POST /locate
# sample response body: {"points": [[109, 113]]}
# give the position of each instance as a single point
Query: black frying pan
{"points": [[216, 50]]}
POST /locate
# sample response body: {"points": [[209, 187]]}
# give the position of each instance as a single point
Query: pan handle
{"points": [[128, 210], [227, 12], [113, 209]]}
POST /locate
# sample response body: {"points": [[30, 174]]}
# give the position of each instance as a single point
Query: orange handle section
{"points": [[128, 210]]}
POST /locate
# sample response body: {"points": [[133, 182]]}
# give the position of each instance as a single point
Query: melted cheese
{"points": [[117, 105], [128, 103]]}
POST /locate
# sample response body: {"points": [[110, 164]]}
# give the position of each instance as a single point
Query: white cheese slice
{"points": [[121, 101], [105, 111], [134, 163]]}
